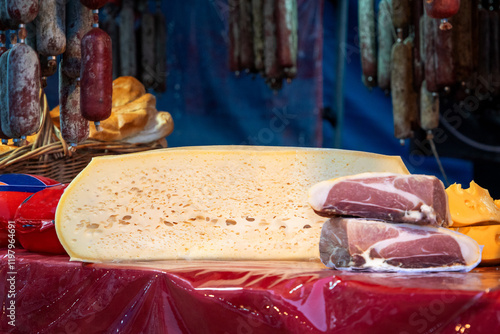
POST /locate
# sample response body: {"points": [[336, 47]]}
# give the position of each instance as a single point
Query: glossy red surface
{"points": [[9, 202], [34, 219], [14, 189], [58, 296]]}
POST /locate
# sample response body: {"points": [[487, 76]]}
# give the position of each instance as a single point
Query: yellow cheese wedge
{"points": [[487, 236], [471, 206], [218, 202]]}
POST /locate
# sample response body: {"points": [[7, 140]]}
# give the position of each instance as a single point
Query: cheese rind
{"points": [[213, 202]]}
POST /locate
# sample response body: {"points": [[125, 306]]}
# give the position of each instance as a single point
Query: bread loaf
{"points": [[214, 202], [126, 89]]}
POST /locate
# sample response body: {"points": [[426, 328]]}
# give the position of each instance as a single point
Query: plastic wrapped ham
{"points": [[396, 198], [373, 245]]}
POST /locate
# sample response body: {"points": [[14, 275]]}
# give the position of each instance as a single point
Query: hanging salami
{"points": [[6, 22], [401, 14], [368, 42], [429, 108], [258, 34], [430, 27], [51, 28], [93, 4], [23, 11], [96, 76], [403, 96], [160, 50], [78, 22], [147, 50], [74, 128], [246, 36], [445, 75], [385, 41], [110, 26], [271, 62], [462, 42], [3, 84], [21, 99], [128, 58], [263, 38]]}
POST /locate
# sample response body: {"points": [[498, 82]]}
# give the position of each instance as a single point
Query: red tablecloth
{"points": [[54, 295]]}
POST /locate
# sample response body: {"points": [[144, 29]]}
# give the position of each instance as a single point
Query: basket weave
{"points": [[52, 157]]}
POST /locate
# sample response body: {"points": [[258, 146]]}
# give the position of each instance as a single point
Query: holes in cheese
{"points": [[472, 206], [219, 202]]}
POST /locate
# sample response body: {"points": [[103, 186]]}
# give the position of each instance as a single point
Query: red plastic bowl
{"points": [[14, 189]]}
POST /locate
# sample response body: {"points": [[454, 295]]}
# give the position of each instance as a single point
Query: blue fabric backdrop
{"points": [[210, 105]]}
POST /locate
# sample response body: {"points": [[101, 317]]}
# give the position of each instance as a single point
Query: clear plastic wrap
{"points": [[54, 295]]}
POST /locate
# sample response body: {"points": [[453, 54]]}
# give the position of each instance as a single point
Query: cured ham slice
{"points": [[372, 245], [395, 198]]}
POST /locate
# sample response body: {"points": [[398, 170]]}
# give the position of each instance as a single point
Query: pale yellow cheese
{"points": [[471, 206], [214, 202], [489, 238]]}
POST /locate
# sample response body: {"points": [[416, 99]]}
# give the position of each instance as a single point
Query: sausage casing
{"points": [[385, 41], [160, 52], [74, 128], [403, 97], [462, 42], [246, 36], [234, 36], [51, 27], [4, 54], [429, 108], [445, 74], [401, 13], [93, 4], [23, 11], [110, 26], [441, 9], [96, 75], [258, 34], [430, 26], [368, 42], [271, 63], [23, 94], [128, 58], [147, 50], [418, 69], [6, 22], [78, 22]]}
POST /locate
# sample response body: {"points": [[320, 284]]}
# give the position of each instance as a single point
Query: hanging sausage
{"points": [[96, 75], [51, 28], [368, 42], [263, 39], [20, 98], [160, 50], [78, 22]]}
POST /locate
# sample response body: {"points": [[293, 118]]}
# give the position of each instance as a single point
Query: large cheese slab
{"points": [[212, 202]]}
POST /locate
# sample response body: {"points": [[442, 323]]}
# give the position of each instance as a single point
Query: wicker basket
{"points": [[49, 155]]}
